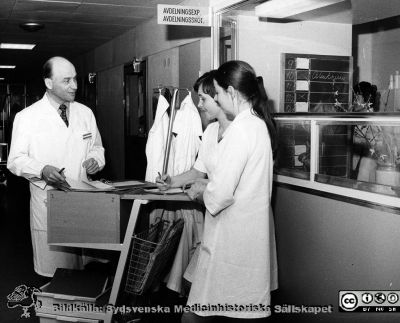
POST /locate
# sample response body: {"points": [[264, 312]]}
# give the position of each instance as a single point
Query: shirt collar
{"points": [[243, 114], [237, 119], [54, 104]]}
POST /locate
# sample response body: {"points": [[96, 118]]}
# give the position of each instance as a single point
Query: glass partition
{"points": [[341, 155], [334, 150], [361, 155], [293, 157]]}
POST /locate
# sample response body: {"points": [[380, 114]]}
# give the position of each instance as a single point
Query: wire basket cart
{"points": [[152, 251]]}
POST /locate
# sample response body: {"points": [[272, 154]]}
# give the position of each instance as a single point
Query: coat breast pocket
{"points": [[82, 140]]}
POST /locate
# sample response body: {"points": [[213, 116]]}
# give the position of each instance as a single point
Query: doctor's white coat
{"points": [[40, 137]]}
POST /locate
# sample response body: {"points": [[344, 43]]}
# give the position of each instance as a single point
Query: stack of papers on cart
{"points": [[133, 185], [170, 191], [86, 186]]}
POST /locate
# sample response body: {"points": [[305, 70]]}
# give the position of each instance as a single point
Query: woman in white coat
{"points": [[206, 160], [237, 263]]}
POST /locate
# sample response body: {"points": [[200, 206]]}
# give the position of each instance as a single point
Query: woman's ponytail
{"points": [[241, 76], [261, 109]]}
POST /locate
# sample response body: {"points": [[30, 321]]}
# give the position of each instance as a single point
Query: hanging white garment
{"points": [[185, 145], [190, 239], [155, 145], [187, 132]]}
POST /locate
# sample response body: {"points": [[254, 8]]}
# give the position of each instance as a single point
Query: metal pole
{"points": [[25, 95], [8, 110], [169, 133]]}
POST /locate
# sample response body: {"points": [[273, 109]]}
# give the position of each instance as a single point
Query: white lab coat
{"points": [[40, 137], [237, 261], [207, 158], [206, 162], [155, 145], [185, 144], [186, 141]]}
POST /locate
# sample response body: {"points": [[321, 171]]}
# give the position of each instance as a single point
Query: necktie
{"points": [[63, 114]]}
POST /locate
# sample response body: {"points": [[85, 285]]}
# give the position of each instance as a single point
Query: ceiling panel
{"points": [[3, 23], [80, 18], [6, 8], [72, 28], [39, 16], [45, 6], [105, 20], [147, 3], [117, 11]]}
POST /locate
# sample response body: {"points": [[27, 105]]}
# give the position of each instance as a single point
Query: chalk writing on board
{"points": [[315, 83], [290, 75], [301, 96], [290, 63], [289, 107], [289, 97], [289, 86], [329, 76]]}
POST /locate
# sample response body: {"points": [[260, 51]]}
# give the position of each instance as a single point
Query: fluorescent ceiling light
{"points": [[17, 46], [7, 66], [288, 8], [1, 78]]}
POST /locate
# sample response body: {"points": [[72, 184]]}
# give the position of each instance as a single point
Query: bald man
{"points": [[54, 138]]}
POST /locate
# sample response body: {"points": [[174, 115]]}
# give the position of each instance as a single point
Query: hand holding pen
{"points": [[163, 182], [54, 176]]}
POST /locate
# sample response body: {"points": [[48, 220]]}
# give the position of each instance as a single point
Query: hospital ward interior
{"points": [[210, 161]]}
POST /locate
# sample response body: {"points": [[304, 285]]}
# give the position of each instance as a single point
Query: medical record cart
{"points": [[105, 220], [98, 221]]}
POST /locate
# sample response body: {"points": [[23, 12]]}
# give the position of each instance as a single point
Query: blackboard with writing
{"points": [[316, 83]]}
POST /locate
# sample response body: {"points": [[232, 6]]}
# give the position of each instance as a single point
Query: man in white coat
{"points": [[54, 139]]}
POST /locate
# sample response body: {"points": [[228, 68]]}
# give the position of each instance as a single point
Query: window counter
{"points": [[352, 155]]}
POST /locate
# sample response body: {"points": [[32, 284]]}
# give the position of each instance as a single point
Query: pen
{"points": [[60, 172], [161, 180]]}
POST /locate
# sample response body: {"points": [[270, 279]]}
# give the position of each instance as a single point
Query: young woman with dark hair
{"points": [[237, 262], [204, 86], [241, 76]]}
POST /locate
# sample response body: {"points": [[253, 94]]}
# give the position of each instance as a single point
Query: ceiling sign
{"points": [[183, 15]]}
